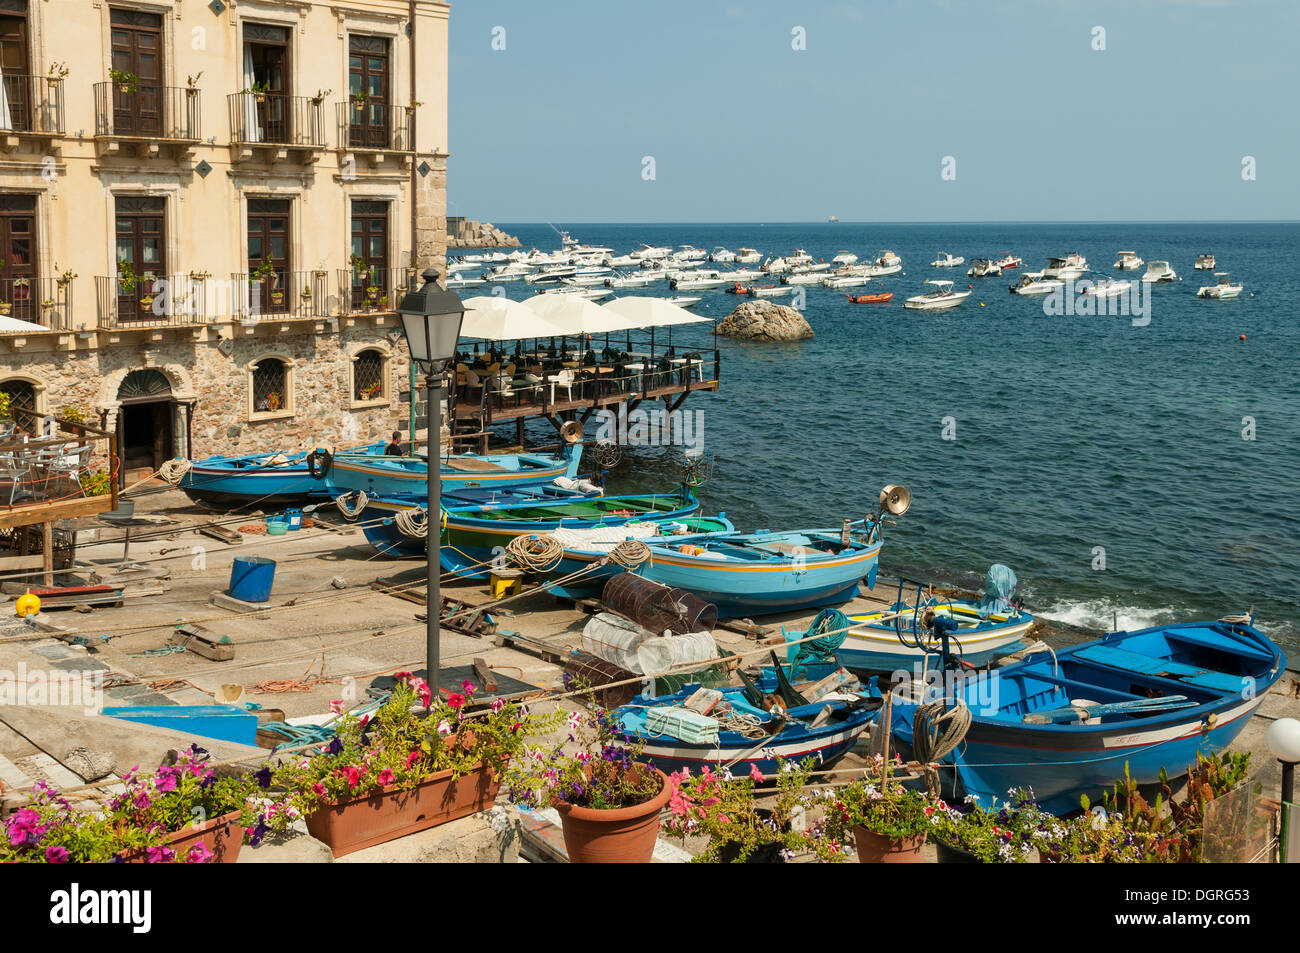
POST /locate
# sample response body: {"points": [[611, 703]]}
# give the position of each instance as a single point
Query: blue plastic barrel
{"points": [[294, 518], [251, 578]]}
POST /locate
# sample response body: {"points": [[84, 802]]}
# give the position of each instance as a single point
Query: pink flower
{"points": [[56, 855], [353, 775], [411, 758], [319, 789], [159, 855], [756, 774], [455, 700], [336, 707], [385, 776], [199, 854], [468, 687], [444, 728], [498, 705]]}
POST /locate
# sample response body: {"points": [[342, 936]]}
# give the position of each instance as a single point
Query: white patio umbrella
{"points": [[652, 312], [577, 315], [500, 319], [14, 324]]}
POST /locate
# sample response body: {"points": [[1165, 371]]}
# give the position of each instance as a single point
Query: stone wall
{"points": [[481, 235]]}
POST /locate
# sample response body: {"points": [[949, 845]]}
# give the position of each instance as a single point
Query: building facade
{"points": [[208, 210]]}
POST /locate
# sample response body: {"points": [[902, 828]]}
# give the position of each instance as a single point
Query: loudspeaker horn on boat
{"points": [[571, 431]]}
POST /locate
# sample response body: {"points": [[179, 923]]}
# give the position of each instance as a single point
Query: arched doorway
{"points": [[144, 422]]}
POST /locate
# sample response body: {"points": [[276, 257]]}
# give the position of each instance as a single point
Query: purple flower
{"points": [[165, 783], [56, 855], [263, 777], [159, 855], [335, 746]]}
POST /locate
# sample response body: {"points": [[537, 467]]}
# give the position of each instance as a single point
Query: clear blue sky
{"points": [[744, 128]]}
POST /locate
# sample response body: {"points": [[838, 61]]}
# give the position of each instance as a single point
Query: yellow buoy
{"points": [[26, 605]]}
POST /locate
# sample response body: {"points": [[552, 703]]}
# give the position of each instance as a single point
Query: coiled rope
{"points": [[936, 731], [536, 553], [413, 523], [629, 554], [347, 508], [173, 471]]}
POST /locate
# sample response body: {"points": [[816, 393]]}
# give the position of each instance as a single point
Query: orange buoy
{"points": [[1241, 337]]}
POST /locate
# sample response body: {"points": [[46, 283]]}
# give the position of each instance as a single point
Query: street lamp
{"points": [[1283, 739], [431, 319]]}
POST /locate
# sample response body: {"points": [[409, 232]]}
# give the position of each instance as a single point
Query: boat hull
{"points": [[876, 648], [248, 480], [408, 476]]}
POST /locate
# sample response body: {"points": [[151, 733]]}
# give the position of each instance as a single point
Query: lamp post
{"points": [[1283, 739], [431, 319]]}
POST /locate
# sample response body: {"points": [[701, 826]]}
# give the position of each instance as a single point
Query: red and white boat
{"points": [[1008, 261]]}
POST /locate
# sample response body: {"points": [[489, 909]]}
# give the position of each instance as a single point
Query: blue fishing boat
{"points": [[474, 534], [755, 573], [408, 476], [1069, 724], [900, 637], [274, 479], [739, 733]]}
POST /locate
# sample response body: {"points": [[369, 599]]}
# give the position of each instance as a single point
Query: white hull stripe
{"points": [[787, 750]]}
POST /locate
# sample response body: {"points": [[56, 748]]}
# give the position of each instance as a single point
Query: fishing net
{"points": [[999, 586], [820, 646]]}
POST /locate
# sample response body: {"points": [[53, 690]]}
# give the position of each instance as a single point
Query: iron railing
{"points": [[291, 294], [276, 118], [153, 301], [32, 104], [371, 125], [147, 111], [43, 301], [373, 289]]}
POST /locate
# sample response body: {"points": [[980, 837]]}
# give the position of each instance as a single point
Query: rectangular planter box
{"points": [[223, 835], [391, 813]]}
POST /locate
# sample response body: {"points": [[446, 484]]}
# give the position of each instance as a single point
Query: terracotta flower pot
{"points": [[223, 835], [389, 813], [625, 835], [876, 848]]}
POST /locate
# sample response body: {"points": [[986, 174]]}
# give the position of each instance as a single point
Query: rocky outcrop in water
{"points": [[765, 321], [481, 235]]}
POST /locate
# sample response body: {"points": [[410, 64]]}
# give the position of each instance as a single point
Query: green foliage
{"points": [[74, 414], [881, 804], [126, 82], [98, 483], [126, 277], [1004, 835]]}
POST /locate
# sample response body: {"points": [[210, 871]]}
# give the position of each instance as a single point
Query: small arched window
{"points": [[21, 402], [370, 375], [271, 383]]}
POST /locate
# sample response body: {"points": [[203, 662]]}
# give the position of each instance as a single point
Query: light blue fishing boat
{"points": [[408, 476], [269, 479], [1069, 724]]}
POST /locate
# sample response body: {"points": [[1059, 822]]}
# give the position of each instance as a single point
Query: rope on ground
{"points": [[936, 732]]}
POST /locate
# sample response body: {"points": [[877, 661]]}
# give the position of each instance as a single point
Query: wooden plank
{"points": [[203, 641], [484, 675], [47, 551], [48, 512], [21, 562], [214, 531]]}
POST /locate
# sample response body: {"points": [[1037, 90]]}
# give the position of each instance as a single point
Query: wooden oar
{"points": [[1137, 706]]}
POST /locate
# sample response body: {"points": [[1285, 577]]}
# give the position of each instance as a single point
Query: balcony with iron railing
{"points": [[43, 301], [148, 117], [275, 123], [371, 290], [374, 127], [150, 301], [281, 294], [31, 106]]}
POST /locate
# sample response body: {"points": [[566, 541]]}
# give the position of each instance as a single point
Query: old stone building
{"points": [[208, 210]]}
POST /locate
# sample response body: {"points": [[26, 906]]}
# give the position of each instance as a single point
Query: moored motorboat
{"points": [[683, 301], [770, 291], [983, 268], [1073, 265], [844, 259], [940, 299], [1104, 288], [1007, 261], [1033, 283], [878, 298], [1159, 273], [945, 260], [1223, 290], [748, 256], [1205, 262], [1127, 261]]}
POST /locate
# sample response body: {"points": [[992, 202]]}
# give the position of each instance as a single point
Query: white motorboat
{"points": [[651, 252], [775, 266], [689, 253], [722, 255], [743, 274], [588, 276], [683, 301], [1105, 288], [1223, 290], [805, 278], [799, 257], [623, 261], [887, 259], [945, 260], [458, 282], [845, 281], [1072, 265], [1036, 284], [1128, 261], [1205, 262], [771, 291], [1159, 273], [879, 271], [940, 299], [700, 282], [591, 294], [844, 259], [983, 268], [551, 276], [622, 280], [748, 256], [1006, 261]]}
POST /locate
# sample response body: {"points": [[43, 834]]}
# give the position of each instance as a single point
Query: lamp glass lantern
{"points": [[431, 318]]}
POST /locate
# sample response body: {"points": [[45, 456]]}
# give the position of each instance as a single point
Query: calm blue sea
{"points": [[1072, 433]]}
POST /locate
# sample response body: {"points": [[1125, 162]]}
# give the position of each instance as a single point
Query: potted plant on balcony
{"points": [[412, 106], [192, 84], [415, 764], [58, 71], [608, 802], [126, 82], [64, 278], [47, 308], [200, 275], [259, 90], [320, 96], [126, 277], [887, 820], [359, 98]]}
